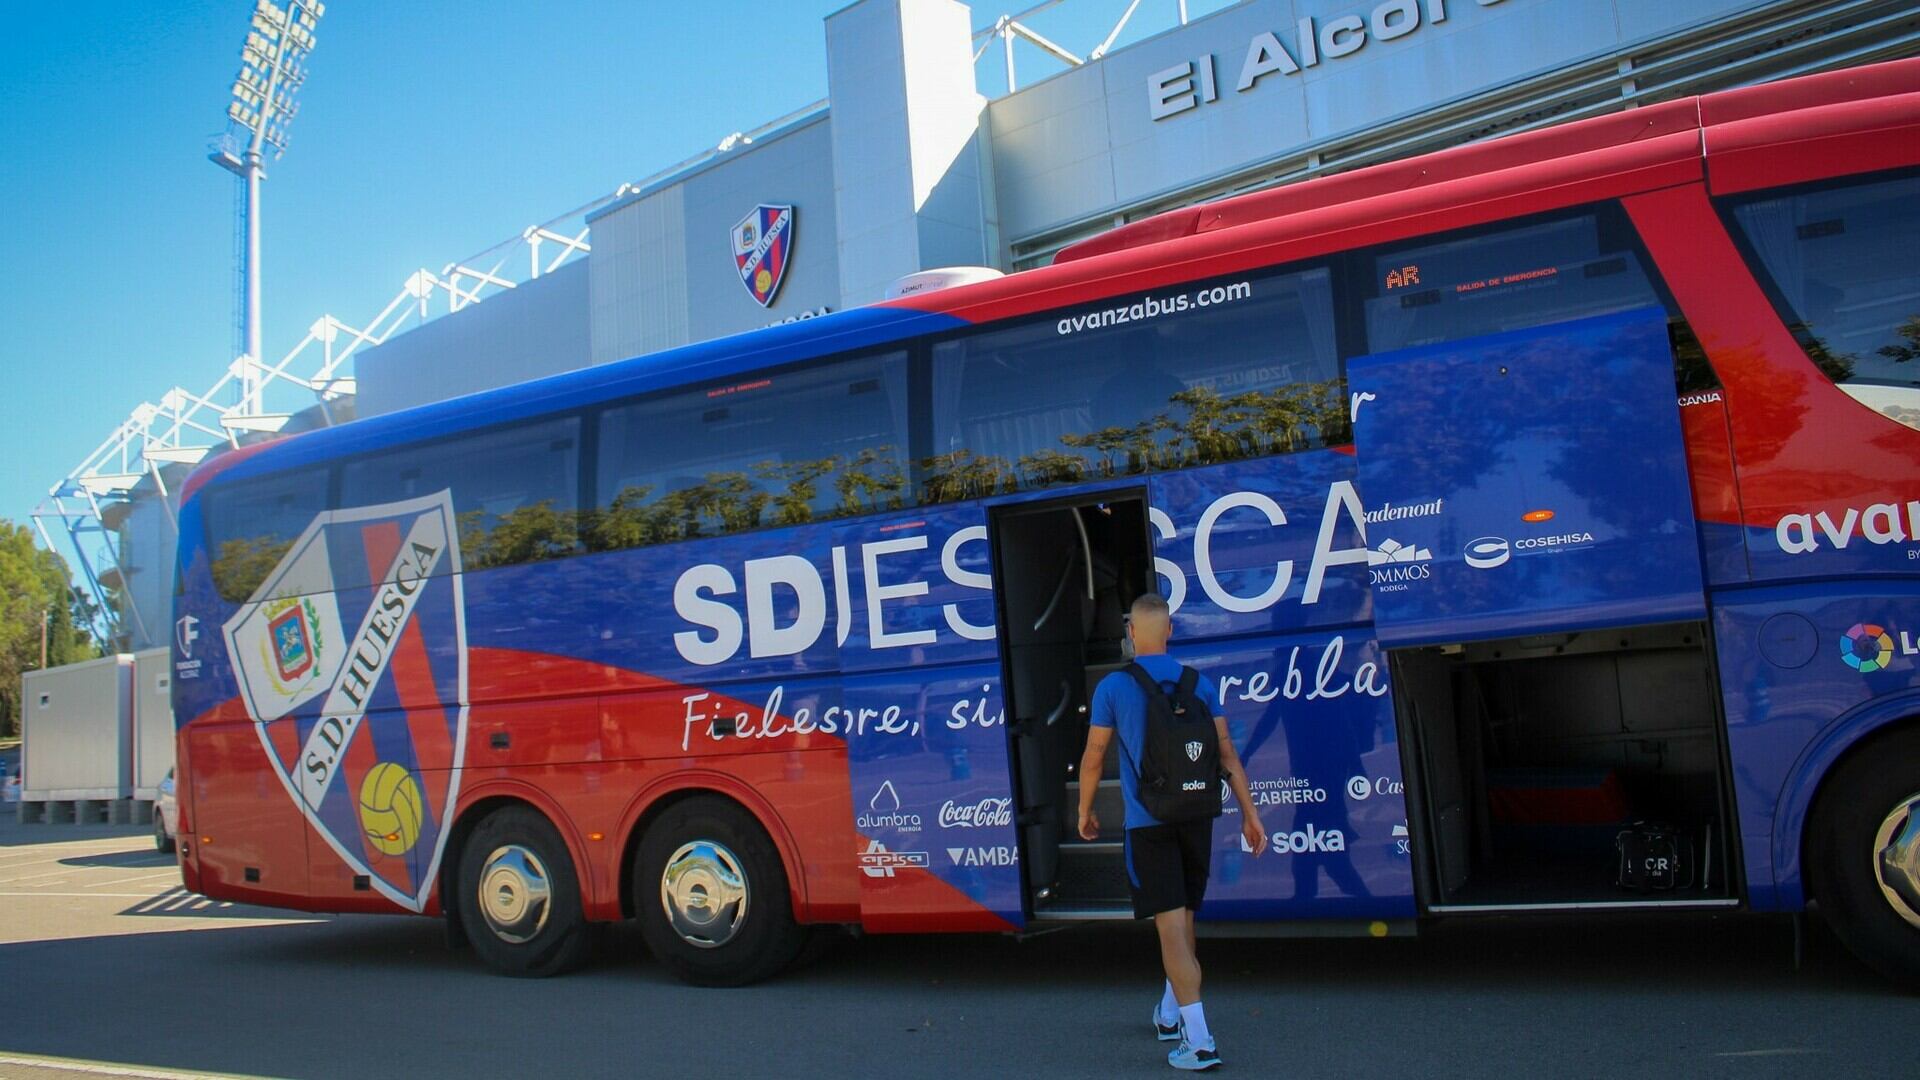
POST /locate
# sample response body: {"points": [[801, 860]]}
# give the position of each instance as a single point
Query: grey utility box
{"points": [[152, 721], [77, 731]]}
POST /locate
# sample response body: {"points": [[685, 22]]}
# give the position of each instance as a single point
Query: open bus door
{"points": [[1553, 678]]}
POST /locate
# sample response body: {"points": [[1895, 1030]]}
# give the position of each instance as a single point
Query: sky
{"points": [[426, 132]]}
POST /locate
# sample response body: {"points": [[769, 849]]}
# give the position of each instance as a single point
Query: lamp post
{"points": [[272, 69]]}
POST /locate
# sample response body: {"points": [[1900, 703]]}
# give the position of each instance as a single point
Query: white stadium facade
{"points": [[908, 166]]}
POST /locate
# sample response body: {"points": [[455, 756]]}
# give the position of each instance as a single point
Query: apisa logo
{"points": [[1867, 648]]}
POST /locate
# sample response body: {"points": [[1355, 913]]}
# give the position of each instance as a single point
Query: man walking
{"points": [[1167, 861]]}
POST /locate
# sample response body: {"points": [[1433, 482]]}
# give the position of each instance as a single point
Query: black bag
{"points": [[1180, 753], [1654, 858]]}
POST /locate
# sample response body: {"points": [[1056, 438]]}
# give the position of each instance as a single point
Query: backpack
{"points": [[1179, 768]]}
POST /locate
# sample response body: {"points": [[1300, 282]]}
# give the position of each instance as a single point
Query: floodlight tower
{"points": [[272, 68]]}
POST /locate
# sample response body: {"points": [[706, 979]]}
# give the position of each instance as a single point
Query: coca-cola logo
{"points": [[976, 815]]}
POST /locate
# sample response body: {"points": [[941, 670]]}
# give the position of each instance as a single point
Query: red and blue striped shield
{"points": [[351, 659], [762, 248]]}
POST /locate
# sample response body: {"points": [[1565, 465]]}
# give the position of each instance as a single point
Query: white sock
{"points": [[1169, 1012], [1195, 1019]]}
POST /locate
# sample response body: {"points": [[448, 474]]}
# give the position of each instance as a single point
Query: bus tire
{"points": [[711, 895], [519, 896], [1866, 806]]}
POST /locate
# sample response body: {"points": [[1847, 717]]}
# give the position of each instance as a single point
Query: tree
{"points": [[34, 586]]}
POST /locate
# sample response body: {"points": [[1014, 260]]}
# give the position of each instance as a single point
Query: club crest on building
{"points": [[762, 250], [362, 618]]}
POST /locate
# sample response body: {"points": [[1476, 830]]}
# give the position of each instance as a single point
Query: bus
{"points": [[1545, 510]]}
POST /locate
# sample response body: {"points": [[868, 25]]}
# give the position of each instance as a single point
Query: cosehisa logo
{"points": [[1866, 648], [1488, 552]]}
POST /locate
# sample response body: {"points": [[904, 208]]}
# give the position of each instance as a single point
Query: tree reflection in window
{"points": [[240, 564], [1043, 404]]}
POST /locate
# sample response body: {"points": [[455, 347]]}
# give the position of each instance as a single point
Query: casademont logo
{"points": [[376, 789]]}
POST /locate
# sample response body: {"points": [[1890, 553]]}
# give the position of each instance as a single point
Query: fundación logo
{"points": [[1868, 647]]}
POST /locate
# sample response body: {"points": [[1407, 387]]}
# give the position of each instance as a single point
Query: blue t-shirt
{"points": [[1119, 703]]}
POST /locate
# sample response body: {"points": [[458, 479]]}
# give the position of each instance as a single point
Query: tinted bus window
{"points": [[515, 490], [779, 449], [253, 524], [1213, 373], [1839, 263], [1506, 278]]}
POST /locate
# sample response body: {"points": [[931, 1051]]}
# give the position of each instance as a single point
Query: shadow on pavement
{"points": [[132, 860], [371, 995]]}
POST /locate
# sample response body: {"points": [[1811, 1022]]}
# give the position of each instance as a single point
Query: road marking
{"points": [[92, 1068], [30, 877], [127, 895], [1786, 1051], [169, 873]]}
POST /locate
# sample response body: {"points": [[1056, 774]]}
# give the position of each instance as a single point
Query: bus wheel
{"points": [[711, 896], [519, 898], [1863, 855]]}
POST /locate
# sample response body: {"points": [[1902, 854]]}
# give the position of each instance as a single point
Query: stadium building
{"points": [[908, 165]]}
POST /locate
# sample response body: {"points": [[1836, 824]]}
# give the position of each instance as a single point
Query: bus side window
{"points": [[515, 489], [1837, 260], [765, 449], [1192, 375], [1505, 277], [252, 524]]}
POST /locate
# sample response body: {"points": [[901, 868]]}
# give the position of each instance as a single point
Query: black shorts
{"points": [[1167, 866]]}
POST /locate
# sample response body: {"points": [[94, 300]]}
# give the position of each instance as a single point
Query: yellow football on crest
{"points": [[391, 809]]}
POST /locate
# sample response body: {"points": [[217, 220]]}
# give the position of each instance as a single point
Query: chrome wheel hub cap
{"points": [[515, 895], [704, 892], [1896, 858]]}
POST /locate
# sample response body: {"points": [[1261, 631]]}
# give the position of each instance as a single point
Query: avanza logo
{"points": [[1881, 523]]}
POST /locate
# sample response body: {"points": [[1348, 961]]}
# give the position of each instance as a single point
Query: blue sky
{"points": [[426, 132]]}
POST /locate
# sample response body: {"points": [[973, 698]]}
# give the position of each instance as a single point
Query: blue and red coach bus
{"points": [[1547, 512]]}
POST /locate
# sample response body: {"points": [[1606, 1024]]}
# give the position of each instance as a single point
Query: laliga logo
{"points": [[1866, 648]]}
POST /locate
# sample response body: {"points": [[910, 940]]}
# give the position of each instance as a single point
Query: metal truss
{"points": [[1009, 28]]}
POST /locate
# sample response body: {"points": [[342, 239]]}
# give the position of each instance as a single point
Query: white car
{"points": [[166, 815]]}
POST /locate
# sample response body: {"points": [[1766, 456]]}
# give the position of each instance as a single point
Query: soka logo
{"points": [[979, 815], [309, 685], [883, 812], [1308, 839], [762, 250]]}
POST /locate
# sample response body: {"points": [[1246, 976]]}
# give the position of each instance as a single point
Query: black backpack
{"points": [[1180, 754]]}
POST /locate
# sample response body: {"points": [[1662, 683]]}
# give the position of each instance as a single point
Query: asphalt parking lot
{"points": [[108, 968]]}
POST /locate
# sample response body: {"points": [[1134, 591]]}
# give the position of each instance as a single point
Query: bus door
{"points": [[1065, 573], [1560, 723]]}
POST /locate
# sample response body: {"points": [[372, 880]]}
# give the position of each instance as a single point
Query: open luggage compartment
{"points": [[1541, 765]]}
